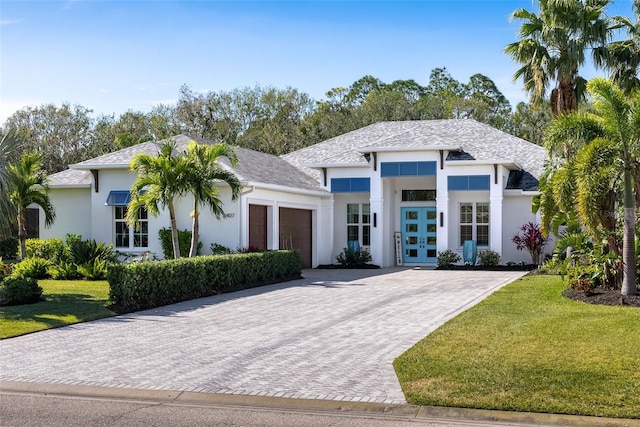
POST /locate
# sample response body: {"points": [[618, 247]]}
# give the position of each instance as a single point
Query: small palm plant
{"points": [[531, 239]]}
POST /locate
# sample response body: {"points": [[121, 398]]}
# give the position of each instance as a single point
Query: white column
{"points": [[442, 206], [376, 200], [495, 213], [325, 231]]}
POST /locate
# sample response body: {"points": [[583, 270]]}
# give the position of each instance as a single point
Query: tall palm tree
{"points": [[202, 182], [28, 185], [8, 145], [159, 181], [622, 57], [605, 169], [553, 46]]}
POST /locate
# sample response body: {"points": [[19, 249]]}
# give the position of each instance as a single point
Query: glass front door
{"points": [[419, 229]]}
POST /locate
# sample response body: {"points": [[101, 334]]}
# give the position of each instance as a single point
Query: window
{"points": [[359, 223], [131, 237], [418, 195], [474, 223]]}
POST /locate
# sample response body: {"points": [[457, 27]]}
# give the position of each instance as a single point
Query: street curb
{"points": [[377, 410]]}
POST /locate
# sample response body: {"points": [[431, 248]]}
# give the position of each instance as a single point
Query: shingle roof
{"points": [[476, 141], [70, 178], [253, 166]]}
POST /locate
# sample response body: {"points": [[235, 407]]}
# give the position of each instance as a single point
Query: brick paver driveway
{"points": [[332, 335]]}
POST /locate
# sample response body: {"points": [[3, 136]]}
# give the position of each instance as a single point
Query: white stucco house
{"points": [[404, 191]]}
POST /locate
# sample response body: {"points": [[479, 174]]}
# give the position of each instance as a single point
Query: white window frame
{"points": [[477, 221], [133, 234], [362, 225]]}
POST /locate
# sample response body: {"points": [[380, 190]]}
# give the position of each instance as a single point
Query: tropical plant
{"points": [[447, 258], [350, 258], [87, 251], [63, 271], [602, 168], [184, 239], [16, 290], [531, 239], [553, 46], [8, 145], [160, 179], [488, 258], [27, 186], [33, 267], [203, 179]]}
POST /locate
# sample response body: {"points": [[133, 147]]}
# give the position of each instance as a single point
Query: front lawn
{"points": [[65, 302], [526, 348]]}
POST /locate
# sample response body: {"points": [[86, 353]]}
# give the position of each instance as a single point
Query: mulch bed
{"points": [[517, 267], [603, 297]]}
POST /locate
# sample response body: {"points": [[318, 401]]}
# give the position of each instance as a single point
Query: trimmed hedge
{"points": [[156, 283]]}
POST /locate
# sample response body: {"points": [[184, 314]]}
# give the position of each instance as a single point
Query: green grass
{"points": [[65, 302], [526, 348]]}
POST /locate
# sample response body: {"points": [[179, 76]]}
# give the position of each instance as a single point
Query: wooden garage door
{"points": [[258, 226], [295, 232]]}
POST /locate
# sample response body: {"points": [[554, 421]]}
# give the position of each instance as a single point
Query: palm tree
{"points": [[8, 145], [159, 181], [202, 182], [552, 48], [622, 58], [27, 186], [609, 155]]}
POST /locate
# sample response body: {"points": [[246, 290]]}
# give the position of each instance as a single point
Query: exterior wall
{"points": [[73, 213], [340, 221], [453, 229]]}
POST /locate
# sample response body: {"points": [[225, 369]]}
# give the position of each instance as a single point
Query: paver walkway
{"points": [[332, 335]]}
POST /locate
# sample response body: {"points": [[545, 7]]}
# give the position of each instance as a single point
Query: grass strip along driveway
{"points": [[526, 348], [64, 302]]}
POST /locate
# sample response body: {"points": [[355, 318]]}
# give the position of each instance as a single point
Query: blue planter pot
{"points": [[469, 252], [354, 246]]}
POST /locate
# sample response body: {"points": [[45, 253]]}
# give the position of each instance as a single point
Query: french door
{"points": [[419, 230]]}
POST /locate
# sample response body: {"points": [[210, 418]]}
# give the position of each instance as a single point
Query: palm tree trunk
{"points": [[195, 230], [22, 233], [629, 252], [174, 231]]}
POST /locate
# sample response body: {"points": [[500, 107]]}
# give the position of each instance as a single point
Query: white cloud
{"points": [[4, 22]]}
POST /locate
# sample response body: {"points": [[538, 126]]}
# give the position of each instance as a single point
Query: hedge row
{"points": [[156, 283]]}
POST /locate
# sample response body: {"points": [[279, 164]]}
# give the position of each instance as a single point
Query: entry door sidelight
{"points": [[419, 229]]}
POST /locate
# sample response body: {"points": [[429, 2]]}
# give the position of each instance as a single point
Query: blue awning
{"points": [[118, 198]]}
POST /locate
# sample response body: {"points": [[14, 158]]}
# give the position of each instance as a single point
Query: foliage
{"points": [[33, 267], [447, 258], [218, 249], [249, 249], [51, 249], [87, 251], [184, 237], [9, 248], [348, 257], [531, 239], [16, 290], [152, 284], [94, 270], [9, 146], [5, 269], [488, 258], [63, 271]]}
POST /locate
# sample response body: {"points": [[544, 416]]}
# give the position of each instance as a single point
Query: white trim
{"points": [[409, 148]]}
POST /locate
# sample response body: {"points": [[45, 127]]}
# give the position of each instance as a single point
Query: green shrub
{"points": [[184, 239], [17, 290], [9, 248], [51, 249], [447, 258], [35, 268], [94, 270], [488, 258], [87, 251], [348, 257], [152, 284], [5, 269], [218, 249], [63, 271]]}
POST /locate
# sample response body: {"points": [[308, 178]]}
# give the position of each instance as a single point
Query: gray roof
{"points": [[70, 178], [474, 140], [253, 166]]}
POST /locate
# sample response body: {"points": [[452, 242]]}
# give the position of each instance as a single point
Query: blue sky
{"points": [[114, 56]]}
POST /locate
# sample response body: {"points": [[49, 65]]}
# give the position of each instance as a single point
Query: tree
{"points": [[553, 46], [606, 143], [27, 186], [159, 181], [203, 179], [8, 145]]}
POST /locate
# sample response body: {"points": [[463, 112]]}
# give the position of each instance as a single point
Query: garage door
{"points": [[295, 232], [258, 227]]}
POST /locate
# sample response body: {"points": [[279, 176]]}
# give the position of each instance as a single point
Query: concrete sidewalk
{"points": [[330, 336]]}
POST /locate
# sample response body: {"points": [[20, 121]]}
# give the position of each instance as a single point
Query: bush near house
{"points": [[9, 248], [184, 240], [17, 290], [152, 284]]}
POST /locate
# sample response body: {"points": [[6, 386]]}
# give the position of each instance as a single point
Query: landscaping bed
{"points": [[602, 296], [518, 267]]}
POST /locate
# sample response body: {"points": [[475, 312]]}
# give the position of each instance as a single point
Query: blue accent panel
{"points": [[350, 185], [118, 198], [407, 169], [468, 182], [389, 169]]}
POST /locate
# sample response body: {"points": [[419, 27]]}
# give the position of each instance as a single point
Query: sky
{"points": [[120, 55]]}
